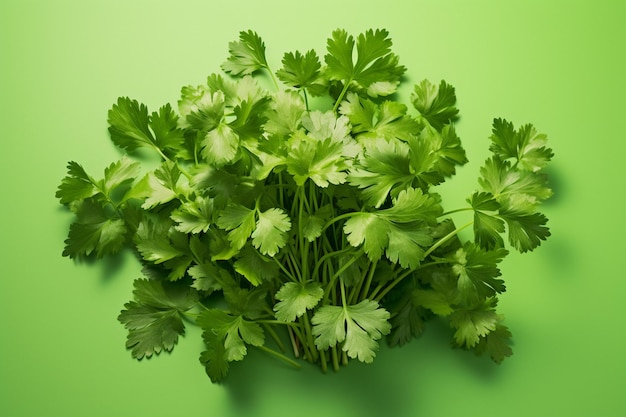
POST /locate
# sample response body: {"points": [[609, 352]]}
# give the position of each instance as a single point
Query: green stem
{"points": [[428, 252], [280, 356], [274, 336], [370, 277], [456, 211], [336, 275], [447, 237], [343, 93]]}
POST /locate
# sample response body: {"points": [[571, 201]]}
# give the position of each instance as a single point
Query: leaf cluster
{"points": [[270, 221]]}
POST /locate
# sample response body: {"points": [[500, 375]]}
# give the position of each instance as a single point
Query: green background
{"points": [[556, 64]]}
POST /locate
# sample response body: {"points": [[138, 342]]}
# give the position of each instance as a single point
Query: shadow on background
{"points": [[391, 386]]}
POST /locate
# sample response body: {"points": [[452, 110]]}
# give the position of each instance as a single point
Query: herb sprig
{"points": [[318, 227]]}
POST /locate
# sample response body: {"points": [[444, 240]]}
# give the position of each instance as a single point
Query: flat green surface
{"points": [[557, 64]]}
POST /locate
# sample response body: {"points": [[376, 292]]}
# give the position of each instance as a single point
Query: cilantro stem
{"points": [[405, 274], [370, 277], [456, 211], [338, 218], [343, 93], [335, 357], [279, 356], [447, 237], [336, 275], [274, 336]]}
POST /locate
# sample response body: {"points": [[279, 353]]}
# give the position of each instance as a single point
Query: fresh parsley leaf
{"points": [[226, 337], [376, 69], [95, 230], [296, 298], [302, 71], [155, 318], [526, 146], [357, 327], [436, 103], [131, 127], [247, 55]]}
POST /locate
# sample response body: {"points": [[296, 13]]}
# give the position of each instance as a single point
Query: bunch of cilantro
{"points": [[303, 216]]}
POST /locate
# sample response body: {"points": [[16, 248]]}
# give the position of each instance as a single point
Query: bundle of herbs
{"points": [[302, 219]]}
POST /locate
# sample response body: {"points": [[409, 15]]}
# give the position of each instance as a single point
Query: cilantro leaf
{"points": [[194, 216], [487, 224], [383, 168], [158, 242], [389, 120], [323, 154], [154, 318], [95, 230], [376, 69], [209, 277], [496, 344], [239, 222], [477, 271], [285, 114], [247, 55], [472, 323], [399, 231], [296, 298], [77, 185], [525, 145], [357, 327], [164, 185], [436, 103], [255, 267], [226, 337], [302, 71], [130, 127], [271, 230]]}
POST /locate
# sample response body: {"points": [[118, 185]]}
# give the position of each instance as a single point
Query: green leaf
{"points": [[487, 224], [245, 56], [271, 230], [164, 185], [435, 103], [154, 318], [399, 231], [284, 115], [220, 145], [159, 242], [164, 124], [376, 69], [526, 230], [371, 121], [477, 271], [357, 327], [77, 185], [95, 230], [526, 146], [295, 298], [226, 337], [130, 127], [210, 277], [512, 187], [254, 267], [384, 167], [496, 344], [407, 320], [194, 216], [435, 301], [302, 71], [239, 222], [473, 323], [324, 153], [200, 108]]}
